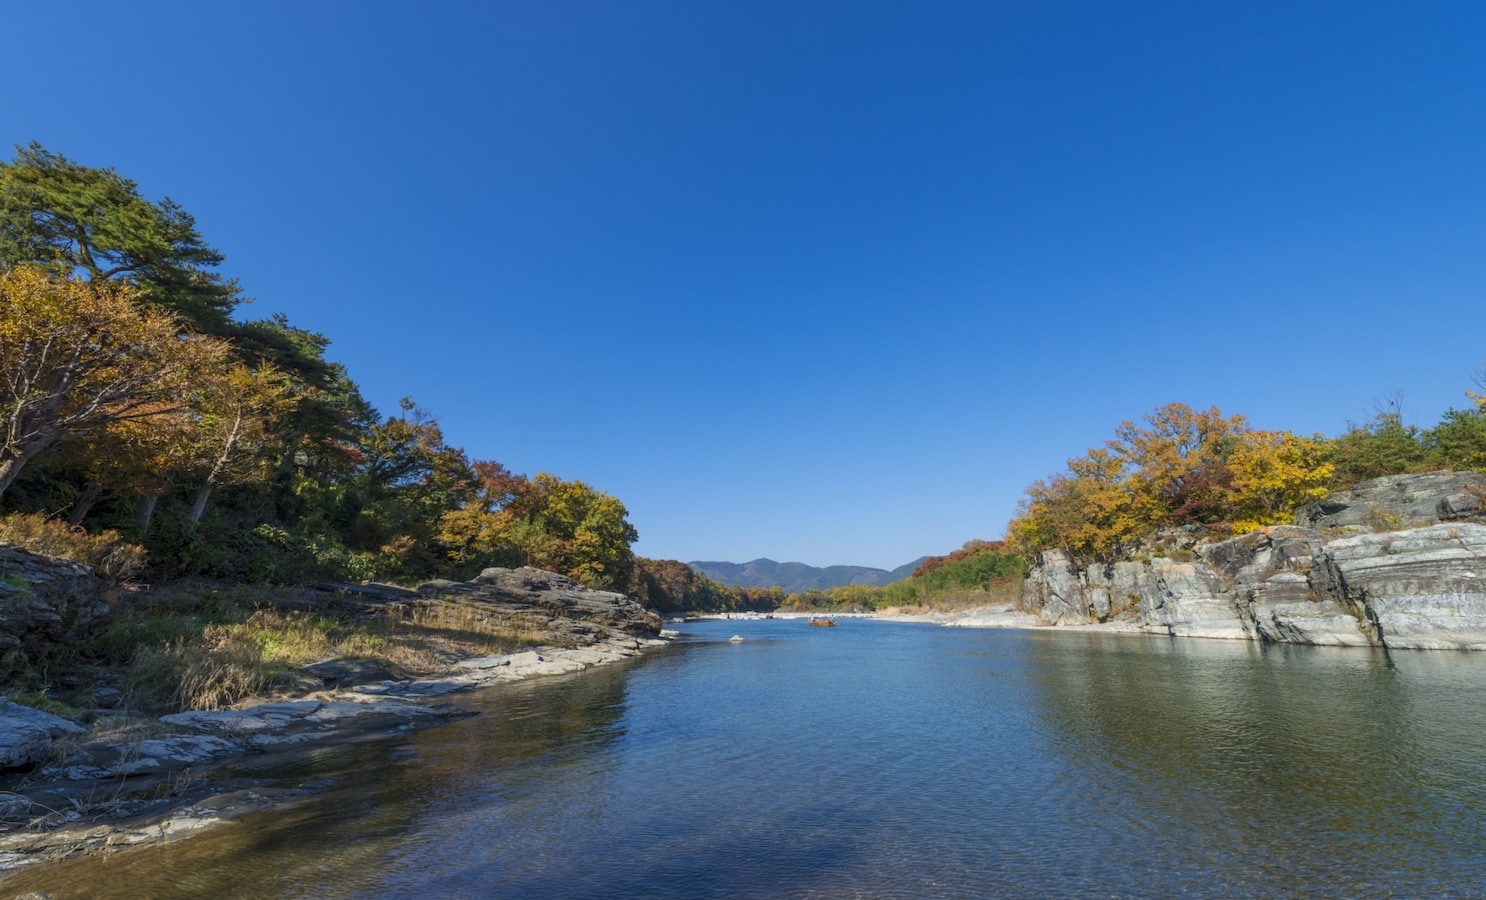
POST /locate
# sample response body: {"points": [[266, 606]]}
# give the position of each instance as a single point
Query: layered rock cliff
{"points": [[1417, 580], [560, 608]]}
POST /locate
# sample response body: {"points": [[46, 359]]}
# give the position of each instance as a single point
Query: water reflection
{"points": [[889, 760], [1302, 766]]}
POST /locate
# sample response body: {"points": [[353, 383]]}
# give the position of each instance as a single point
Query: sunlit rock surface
{"points": [[1338, 585]]}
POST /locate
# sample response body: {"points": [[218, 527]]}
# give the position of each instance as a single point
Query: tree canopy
{"points": [[1183, 467], [93, 222], [76, 357], [132, 400]]}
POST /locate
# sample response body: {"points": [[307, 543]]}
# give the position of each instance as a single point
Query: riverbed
{"points": [[885, 759]]}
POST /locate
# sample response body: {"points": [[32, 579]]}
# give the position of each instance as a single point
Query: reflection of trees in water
{"points": [[562, 719], [1251, 751], [342, 840]]}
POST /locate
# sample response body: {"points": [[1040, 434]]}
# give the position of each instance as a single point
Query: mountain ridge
{"points": [[796, 576]]}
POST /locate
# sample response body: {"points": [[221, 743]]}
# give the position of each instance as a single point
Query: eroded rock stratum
{"points": [[1396, 562]]}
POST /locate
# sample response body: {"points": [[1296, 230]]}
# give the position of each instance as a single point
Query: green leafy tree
{"points": [[1458, 441], [78, 220], [1386, 446], [408, 479]]}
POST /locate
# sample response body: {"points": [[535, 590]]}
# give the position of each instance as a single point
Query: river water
{"points": [[882, 759]]}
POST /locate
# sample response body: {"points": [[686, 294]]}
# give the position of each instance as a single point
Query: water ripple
{"points": [[883, 760]]}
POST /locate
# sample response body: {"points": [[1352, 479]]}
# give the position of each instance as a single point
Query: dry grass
{"points": [[216, 670], [951, 600], [223, 651], [108, 554], [202, 646]]}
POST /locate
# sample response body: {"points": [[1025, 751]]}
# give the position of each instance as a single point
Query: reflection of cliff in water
{"points": [[1251, 747]]}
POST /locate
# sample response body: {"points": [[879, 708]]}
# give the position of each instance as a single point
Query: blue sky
{"points": [[827, 282]]}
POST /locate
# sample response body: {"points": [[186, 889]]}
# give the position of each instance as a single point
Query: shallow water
{"points": [[881, 759]]}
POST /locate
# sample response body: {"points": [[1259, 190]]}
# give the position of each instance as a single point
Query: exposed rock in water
{"points": [[26, 734], [1421, 588], [135, 764]]}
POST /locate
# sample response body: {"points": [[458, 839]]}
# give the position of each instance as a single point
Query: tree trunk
{"points": [[17, 455], [198, 508], [91, 493], [144, 510], [9, 469], [285, 470]]}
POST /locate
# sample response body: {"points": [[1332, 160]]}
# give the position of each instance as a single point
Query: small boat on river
{"points": [[822, 621]]}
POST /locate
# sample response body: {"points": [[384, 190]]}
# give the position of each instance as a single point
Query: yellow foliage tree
{"points": [[1273, 473], [1090, 512], [563, 526], [234, 417], [77, 356], [1183, 467]]}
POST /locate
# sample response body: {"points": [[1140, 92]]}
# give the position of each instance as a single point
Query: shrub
{"points": [[219, 669], [110, 556]]}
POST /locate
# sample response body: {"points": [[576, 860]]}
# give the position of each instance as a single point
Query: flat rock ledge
{"points": [[128, 784]]}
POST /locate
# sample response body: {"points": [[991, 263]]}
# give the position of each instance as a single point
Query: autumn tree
{"points": [[1090, 511], [475, 533], [407, 479], [76, 356], [667, 586], [572, 528], [131, 457], [234, 416], [77, 220], [1271, 474], [1183, 467]]}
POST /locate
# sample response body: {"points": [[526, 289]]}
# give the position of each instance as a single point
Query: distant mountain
{"points": [[795, 577]]}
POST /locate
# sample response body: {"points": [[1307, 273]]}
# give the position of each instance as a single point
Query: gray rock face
{"points": [[1056, 593], [1115, 589], [1423, 588], [42, 598], [26, 734], [554, 603], [1398, 501], [1191, 600]]}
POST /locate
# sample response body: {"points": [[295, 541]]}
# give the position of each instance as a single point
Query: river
{"points": [[885, 759]]}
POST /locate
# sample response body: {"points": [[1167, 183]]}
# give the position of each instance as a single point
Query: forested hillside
{"points": [[794, 576], [136, 405]]}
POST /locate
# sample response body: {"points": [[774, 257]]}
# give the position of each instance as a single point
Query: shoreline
{"points": [[997, 616], [79, 805]]}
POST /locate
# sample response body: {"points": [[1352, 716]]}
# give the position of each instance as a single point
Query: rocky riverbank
{"points": [[1397, 562], [127, 781]]}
